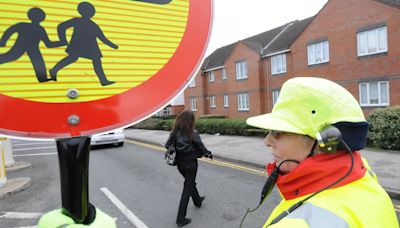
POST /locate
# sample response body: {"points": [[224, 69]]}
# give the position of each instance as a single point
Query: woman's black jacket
{"points": [[187, 149]]}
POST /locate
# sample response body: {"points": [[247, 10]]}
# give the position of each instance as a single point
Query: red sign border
{"points": [[24, 118]]}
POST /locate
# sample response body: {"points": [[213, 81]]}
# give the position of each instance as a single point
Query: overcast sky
{"points": [[235, 20]]}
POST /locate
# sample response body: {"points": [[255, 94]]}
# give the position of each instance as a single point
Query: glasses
{"points": [[275, 133]]}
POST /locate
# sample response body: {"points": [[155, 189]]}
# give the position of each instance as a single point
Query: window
{"points": [[226, 101], [212, 102], [211, 76], [223, 73], [372, 41], [167, 111], [241, 70], [192, 83], [278, 64], [192, 102], [275, 95], [318, 53], [243, 101], [374, 93]]}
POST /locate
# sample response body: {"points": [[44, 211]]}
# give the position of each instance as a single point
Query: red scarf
{"points": [[317, 172]]}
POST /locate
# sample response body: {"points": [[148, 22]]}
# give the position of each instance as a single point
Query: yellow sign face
{"points": [[101, 48]]}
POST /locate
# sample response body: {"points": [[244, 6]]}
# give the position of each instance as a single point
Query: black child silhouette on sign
{"points": [[83, 42], [29, 37]]}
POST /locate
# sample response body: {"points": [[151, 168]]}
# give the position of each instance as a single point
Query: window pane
{"points": [[245, 68], [318, 53], [284, 63], [362, 43], [273, 65], [278, 64], [372, 41], [364, 94], [311, 54], [240, 70], [326, 51], [246, 101], [382, 39], [237, 70], [384, 92], [275, 95], [373, 93], [193, 104]]}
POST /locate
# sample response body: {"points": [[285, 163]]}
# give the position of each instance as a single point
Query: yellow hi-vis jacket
{"points": [[361, 203]]}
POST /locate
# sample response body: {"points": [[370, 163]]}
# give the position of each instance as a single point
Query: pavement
{"points": [[251, 151], [17, 184]]}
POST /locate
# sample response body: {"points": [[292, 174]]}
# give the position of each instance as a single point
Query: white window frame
{"points": [[192, 84], [318, 53], [226, 100], [212, 102], [211, 76], [223, 74], [275, 96], [241, 70], [278, 64], [372, 39], [192, 102], [367, 86], [243, 102]]}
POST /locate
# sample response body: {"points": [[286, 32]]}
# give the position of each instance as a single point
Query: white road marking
{"points": [[19, 215], [38, 154], [26, 227], [30, 144], [135, 220], [35, 148]]}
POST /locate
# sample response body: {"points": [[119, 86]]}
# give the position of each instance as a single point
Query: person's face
{"points": [[288, 146]]}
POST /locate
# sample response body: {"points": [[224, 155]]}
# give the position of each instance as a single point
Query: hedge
{"points": [[205, 125], [384, 129]]}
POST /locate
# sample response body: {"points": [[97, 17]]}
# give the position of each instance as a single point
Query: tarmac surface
{"points": [[245, 150], [252, 151]]}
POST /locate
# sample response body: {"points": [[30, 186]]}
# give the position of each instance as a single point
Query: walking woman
{"points": [[189, 147]]}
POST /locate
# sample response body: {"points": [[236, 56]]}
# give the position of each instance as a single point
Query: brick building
{"points": [[352, 42]]}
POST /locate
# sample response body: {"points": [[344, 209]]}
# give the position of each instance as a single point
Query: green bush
{"points": [[212, 116], [384, 129], [224, 126], [205, 125]]}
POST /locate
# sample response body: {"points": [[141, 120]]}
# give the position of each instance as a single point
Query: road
{"points": [[136, 177]]}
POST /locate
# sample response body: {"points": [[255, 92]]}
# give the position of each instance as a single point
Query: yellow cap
{"points": [[306, 105]]}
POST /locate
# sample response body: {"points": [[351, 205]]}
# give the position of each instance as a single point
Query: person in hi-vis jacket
{"points": [[316, 132]]}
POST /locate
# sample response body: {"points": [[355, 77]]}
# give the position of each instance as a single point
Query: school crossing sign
{"points": [[73, 68]]}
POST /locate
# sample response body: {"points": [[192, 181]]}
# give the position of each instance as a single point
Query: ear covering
{"points": [[354, 134]]}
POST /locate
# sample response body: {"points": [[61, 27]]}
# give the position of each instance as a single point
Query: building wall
{"points": [[339, 22], [196, 92], [232, 87]]}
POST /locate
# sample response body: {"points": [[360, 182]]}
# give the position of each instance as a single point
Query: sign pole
{"points": [[9, 159], [73, 158], [3, 177]]}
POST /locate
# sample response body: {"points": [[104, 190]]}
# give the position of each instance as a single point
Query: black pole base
{"points": [[73, 157]]}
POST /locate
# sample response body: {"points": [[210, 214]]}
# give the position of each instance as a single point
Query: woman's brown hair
{"points": [[184, 123]]}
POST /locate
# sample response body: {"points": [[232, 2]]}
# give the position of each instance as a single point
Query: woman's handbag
{"points": [[170, 155]]}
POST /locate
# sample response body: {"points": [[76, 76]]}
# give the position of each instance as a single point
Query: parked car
{"points": [[116, 138]]}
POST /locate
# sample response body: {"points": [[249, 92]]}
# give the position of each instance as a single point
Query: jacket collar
{"points": [[317, 172]]}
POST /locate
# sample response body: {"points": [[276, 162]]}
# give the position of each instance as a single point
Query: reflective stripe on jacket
{"points": [[362, 203]]}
